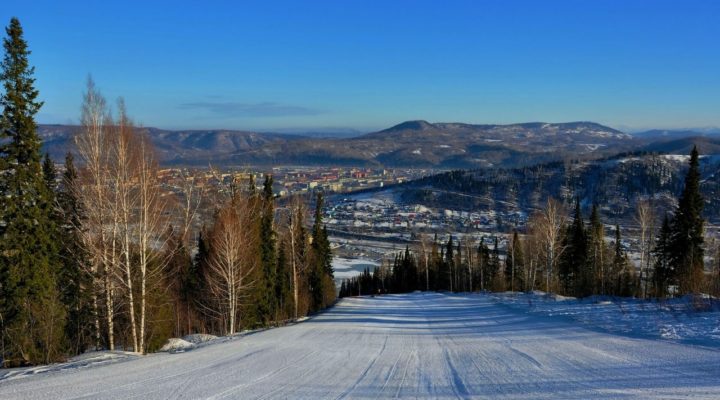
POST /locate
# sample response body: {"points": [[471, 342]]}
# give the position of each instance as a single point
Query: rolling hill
{"points": [[409, 144]]}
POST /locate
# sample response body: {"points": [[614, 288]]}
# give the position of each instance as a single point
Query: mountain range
{"points": [[411, 144]]}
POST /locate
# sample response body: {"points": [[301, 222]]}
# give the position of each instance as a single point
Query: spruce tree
{"points": [[33, 318], [267, 297], [687, 251], [494, 267], [283, 288], [622, 273], [596, 253], [449, 265], [75, 282], [662, 273], [573, 263], [49, 173], [514, 264], [321, 271]]}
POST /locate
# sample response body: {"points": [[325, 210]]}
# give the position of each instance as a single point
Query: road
{"points": [[406, 346]]}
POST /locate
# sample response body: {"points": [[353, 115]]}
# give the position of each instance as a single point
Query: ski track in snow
{"points": [[402, 346]]}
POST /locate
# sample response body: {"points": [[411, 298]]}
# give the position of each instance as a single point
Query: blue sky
{"points": [[370, 64]]}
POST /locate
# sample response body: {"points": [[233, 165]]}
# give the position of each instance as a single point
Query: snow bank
{"points": [[188, 342], [83, 361], [176, 345], [689, 319], [199, 338]]}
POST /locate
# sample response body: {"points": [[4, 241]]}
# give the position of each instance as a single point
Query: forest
{"points": [[562, 251], [102, 256]]}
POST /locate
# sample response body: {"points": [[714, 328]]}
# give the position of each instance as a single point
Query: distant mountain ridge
{"points": [[409, 144]]}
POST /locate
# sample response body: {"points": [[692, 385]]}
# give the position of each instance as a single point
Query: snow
{"points": [[189, 342], [408, 346], [174, 345], [674, 319], [199, 338], [349, 267]]}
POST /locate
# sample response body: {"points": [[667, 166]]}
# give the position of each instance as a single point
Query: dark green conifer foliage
{"points": [[283, 289], [268, 288], [687, 257], [485, 276], [49, 172], [494, 276], [33, 318], [74, 279], [183, 281], [621, 271], [514, 263], [663, 275], [449, 265], [321, 271], [573, 270], [596, 252]]}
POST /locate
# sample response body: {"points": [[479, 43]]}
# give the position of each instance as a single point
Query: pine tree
{"points": [[687, 254], [33, 317]]}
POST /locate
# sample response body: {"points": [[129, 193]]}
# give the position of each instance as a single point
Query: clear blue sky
{"points": [[370, 64]]}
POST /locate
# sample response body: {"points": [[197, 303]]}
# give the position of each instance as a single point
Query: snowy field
{"points": [[676, 320], [349, 267], [405, 346]]}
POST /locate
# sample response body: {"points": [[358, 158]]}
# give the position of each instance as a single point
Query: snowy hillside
{"points": [[409, 346]]}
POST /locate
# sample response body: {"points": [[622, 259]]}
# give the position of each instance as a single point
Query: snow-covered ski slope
{"points": [[406, 346]]}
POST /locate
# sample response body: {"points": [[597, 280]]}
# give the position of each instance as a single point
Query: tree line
{"points": [[102, 256], [562, 252]]}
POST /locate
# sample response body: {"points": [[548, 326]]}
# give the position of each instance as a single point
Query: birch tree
{"points": [[92, 145], [231, 262], [549, 224]]}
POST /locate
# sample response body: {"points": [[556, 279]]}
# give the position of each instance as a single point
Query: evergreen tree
{"points": [[182, 279], [74, 279], [663, 274], [321, 272], [687, 251], [49, 173], [514, 263], [268, 286], [449, 266], [194, 284], [494, 272], [596, 253], [436, 262], [622, 273], [283, 288], [483, 255], [573, 263], [33, 317]]}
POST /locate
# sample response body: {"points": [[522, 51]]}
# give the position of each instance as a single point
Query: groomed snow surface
{"points": [[409, 346]]}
